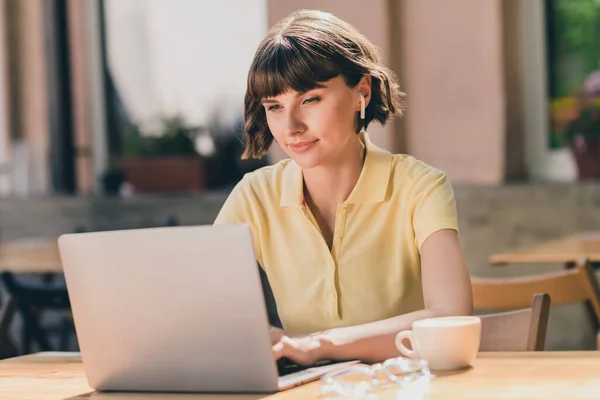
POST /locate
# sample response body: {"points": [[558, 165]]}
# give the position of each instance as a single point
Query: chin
{"points": [[306, 165], [305, 161]]}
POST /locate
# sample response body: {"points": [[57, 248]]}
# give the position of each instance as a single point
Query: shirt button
{"points": [[337, 238], [331, 266], [332, 294]]}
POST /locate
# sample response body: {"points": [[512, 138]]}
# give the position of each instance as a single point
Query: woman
{"points": [[356, 243]]}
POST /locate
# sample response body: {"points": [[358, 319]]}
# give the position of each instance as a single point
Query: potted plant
{"points": [[583, 138], [112, 179], [165, 162]]}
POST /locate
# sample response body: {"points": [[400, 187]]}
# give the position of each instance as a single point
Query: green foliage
{"points": [[175, 140], [577, 21], [576, 29]]}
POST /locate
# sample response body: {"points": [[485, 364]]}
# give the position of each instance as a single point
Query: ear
{"points": [[364, 88]]}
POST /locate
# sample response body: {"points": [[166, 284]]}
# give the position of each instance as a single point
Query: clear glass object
{"points": [[359, 381]]}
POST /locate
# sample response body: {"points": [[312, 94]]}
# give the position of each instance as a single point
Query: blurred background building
{"points": [[489, 84], [127, 112]]}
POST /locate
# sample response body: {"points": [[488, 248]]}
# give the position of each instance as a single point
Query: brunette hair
{"points": [[301, 52]]}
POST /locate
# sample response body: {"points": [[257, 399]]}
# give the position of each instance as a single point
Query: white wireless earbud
{"points": [[362, 106]]}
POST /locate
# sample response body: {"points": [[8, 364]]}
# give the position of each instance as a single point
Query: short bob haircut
{"points": [[301, 52]]}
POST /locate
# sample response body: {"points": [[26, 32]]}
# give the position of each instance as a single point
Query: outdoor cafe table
{"points": [[525, 375], [30, 256], [566, 250]]}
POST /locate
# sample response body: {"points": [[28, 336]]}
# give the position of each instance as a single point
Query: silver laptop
{"points": [[173, 309]]}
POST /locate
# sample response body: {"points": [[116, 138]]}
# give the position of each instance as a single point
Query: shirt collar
{"points": [[371, 187]]}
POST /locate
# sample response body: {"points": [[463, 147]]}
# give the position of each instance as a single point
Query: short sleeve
{"points": [[435, 207], [237, 210]]}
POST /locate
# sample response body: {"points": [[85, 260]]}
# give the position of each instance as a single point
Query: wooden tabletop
{"points": [[526, 375], [26, 256], [564, 250]]}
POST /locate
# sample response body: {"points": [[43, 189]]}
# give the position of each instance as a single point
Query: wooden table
{"points": [[527, 375], [564, 250], [30, 256]]}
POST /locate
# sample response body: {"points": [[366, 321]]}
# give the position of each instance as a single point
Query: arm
{"points": [[446, 291]]}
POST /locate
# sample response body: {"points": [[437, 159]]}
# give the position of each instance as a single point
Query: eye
{"points": [[273, 107], [311, 100]]}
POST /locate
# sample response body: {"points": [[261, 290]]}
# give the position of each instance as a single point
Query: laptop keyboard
{"points": [[285, 366]]}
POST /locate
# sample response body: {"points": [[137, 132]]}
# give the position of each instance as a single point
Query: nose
{"points": [[294, 124]]}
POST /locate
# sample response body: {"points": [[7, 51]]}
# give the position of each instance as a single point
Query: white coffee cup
{"points": [[446, 343]]}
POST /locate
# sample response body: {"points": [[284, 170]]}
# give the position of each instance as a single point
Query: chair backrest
{"points": [[569, 286], [35, 295], [519, 330], [573, 285]]}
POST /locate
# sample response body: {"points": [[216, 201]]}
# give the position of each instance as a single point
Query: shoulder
{"points": [[264, 184], [255, 194], [412, 172], [264, 180]]}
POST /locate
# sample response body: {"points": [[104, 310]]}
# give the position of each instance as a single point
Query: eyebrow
{"points": [[300, 94]]}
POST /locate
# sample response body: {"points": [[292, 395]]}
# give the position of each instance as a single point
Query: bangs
{"points": [[286, 66]]}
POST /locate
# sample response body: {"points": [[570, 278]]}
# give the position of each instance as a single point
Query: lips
{"points": [[301, 147]]}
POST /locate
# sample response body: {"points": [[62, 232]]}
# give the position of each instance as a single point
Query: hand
{"points": [[302, 349]]}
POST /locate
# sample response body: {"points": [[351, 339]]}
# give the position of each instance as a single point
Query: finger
{"points": [[285, 347], [289, 348], [278, 350], [294, 350], [276, 335]]}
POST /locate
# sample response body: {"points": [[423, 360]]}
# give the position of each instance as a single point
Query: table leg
{"points": [[593, 312], [7, 313]]}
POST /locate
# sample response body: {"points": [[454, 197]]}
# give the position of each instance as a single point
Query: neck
{"points": [[333, 183]]}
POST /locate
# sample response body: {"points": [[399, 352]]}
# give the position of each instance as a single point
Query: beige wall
{"points": [[453, 75], [80, 85], [370, 18], [30, 154]]}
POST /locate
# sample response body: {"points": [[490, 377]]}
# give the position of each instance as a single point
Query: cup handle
{"points": [[400, 337]]}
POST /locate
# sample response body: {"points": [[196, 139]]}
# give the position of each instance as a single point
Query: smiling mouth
{"points": [[301, 147]]}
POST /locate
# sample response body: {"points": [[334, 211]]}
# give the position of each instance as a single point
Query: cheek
{"points": [[338, 117], [274, 126]]}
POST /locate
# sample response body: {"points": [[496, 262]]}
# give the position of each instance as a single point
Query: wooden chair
{"points": [[519, 330], [574, 285], [32, 300]]}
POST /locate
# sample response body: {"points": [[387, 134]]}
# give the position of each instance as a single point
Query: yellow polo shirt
{"points": [[373, 269]]}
